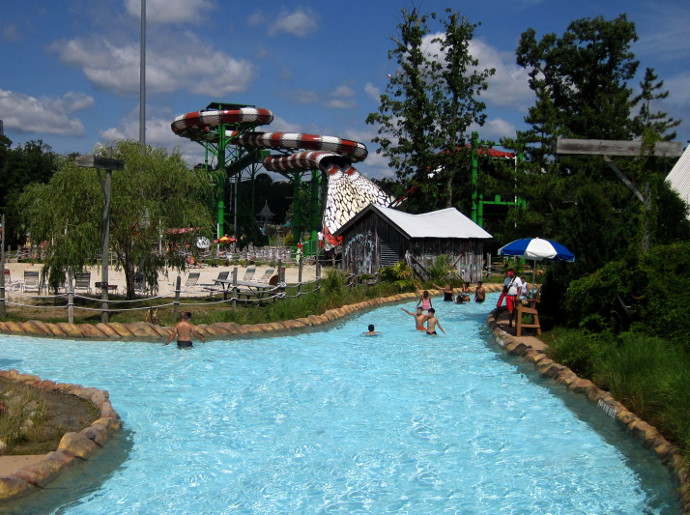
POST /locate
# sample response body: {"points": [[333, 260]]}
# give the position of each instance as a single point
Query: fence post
{"points": [[299, 276], [318, 277], [2, 265], [176, 302], [281, 277], [234, 289], [70, 301]]}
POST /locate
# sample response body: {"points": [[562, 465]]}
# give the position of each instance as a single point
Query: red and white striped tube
{"points": [[280, 140], [187, 125]]}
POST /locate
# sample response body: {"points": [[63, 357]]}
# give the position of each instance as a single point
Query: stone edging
{"points": [[150, 332], [72, 447], [650, 437]]}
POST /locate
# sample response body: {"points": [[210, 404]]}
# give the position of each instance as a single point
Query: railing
{"points": [[70, 301]]}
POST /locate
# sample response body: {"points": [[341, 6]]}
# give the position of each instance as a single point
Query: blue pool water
{"points": [[334, 422]]}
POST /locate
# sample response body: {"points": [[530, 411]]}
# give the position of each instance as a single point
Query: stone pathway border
{"points": [[73, 447], [650, 437]]}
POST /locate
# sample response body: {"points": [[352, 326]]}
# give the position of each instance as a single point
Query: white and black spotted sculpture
{"points": [[348, 190]]}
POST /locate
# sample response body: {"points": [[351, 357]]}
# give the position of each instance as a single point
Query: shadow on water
{"points": [[654, 477], [7, 363], [83, 479]]}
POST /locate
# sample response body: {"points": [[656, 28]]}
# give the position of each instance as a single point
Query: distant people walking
{"points": [[183, 331]]}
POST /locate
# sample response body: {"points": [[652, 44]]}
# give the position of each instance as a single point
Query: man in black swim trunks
{"points": [[432, 322], [183, 330]]}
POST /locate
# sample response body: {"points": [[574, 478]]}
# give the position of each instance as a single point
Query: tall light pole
{"points": [[108, 164], [142, 78]]}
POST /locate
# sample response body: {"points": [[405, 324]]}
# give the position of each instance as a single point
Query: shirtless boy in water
{"points": [[183, 330], [419, 318], [432, 322]]}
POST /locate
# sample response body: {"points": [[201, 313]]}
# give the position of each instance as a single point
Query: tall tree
{"points": [[581, 81], [32, 162], [154, 193], [455, 93], [646, 121], [428, 106]]}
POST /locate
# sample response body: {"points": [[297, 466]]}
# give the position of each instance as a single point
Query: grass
{"points": [[33, 421], [312, 301], [649, 375]]}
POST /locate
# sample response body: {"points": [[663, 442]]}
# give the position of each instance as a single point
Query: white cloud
{"points": [[337, 103], [372, 91], [189, 12], [25, 113], [508, 86], [282, 125], [495, 129], [343, 91], [299, 23], [185, 64], [679, 89]]}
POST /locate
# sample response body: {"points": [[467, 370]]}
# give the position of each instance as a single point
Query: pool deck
{"points": [[502, 320]]}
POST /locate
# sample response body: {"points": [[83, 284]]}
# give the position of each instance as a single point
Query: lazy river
{"points": [[334, 422]]}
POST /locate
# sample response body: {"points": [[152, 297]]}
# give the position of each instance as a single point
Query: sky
{"points": [[69, 69]]}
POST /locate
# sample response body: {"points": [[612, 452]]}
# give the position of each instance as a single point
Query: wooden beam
{"points": [[602, 147], [100, 163]]}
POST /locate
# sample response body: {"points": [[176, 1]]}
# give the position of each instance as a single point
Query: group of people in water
{"points": [[464, 294], [425, 315]]}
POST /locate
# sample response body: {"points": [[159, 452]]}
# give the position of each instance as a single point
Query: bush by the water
{"points": [[627, 327], [649, 293]]}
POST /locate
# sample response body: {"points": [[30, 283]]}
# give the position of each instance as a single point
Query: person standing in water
{"points": [[183, 331], [419, 318], [432, 322], [425, 301], [447, 292], [479, 292]]}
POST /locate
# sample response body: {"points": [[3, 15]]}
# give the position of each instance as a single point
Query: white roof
{"points": [[680, 176], [445, 223]]}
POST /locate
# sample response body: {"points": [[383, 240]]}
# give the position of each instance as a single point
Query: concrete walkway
{"points": [[528, 336]]}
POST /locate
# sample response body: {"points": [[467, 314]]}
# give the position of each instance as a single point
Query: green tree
{"points": [[580, 80], [455, 88], [155, 192], [33, 162], [646, 121], [406, 113], [428, 106]]}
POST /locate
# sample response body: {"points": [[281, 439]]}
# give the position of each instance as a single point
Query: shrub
{"points": [[333, 282], [579, 350], [400, 275]]}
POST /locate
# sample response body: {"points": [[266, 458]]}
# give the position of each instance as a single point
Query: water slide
{"points": [[348, 190]]}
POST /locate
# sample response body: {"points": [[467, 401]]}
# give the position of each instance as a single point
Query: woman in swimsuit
{"points": [[425, 301], [447, 292]]}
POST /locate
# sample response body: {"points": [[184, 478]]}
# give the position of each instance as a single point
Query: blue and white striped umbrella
{"points": [[537, 249]]}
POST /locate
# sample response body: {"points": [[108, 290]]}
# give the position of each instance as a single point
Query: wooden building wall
{"points": [[372, 242]]}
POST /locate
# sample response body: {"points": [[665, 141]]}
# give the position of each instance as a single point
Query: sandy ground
{"points": [[166, 281]]}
